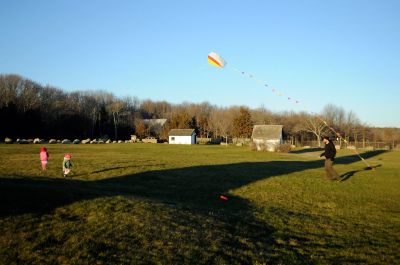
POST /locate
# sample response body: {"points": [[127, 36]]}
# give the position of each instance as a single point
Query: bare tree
{"points": [[350, 126], [334, 115], [391, 135], [8, 89], [221, 120], [28, 95], [314, 125], [115, 108], [263, 116]]}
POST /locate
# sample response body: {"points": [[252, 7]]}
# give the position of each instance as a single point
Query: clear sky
{"points": [[341, 52]]}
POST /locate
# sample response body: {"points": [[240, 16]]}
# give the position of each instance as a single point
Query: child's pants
{"points": [[44, 164]]}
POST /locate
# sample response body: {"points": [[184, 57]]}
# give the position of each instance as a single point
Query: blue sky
{"points": [[339, 52]]}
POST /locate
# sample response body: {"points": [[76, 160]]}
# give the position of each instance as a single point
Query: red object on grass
{"points": [[222, 197]]}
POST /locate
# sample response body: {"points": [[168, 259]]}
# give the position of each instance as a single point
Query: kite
{"points": [[224, 198], [216, 60]]}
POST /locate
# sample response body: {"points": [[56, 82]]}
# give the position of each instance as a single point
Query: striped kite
{"points": [[216, 60]]}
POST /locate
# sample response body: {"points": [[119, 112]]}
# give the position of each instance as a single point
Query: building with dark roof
{"points": [[267, 137]]}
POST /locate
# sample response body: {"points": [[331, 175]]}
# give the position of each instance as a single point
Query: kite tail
{"points": [[292, 100]]}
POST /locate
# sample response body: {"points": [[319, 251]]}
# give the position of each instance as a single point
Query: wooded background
{"points": [[31, 110]]}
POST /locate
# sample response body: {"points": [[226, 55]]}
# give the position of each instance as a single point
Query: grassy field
{"points": [[159, 204]]}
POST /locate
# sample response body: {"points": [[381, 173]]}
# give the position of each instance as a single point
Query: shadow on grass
{"points": [[113, 168], [349, 174], [196, 189], [307, 150], [356, 158]]}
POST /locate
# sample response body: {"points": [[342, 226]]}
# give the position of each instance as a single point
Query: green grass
{"points": [[159, 204]]}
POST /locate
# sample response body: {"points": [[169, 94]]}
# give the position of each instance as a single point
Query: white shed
{"points": [[267, 137], [182, 136]]}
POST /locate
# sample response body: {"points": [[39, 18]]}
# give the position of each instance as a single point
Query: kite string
{"points": [[292, 100], [338, 135]]}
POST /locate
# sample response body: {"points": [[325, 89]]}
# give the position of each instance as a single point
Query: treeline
{"points": [[30, 110]]}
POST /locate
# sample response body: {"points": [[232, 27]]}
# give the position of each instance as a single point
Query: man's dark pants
{"points": [[330, 172]]}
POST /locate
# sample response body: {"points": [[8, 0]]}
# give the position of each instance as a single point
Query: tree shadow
{"points": [[112, 168], [197, 187], [307, 150], [354, 158], [101, 170]]}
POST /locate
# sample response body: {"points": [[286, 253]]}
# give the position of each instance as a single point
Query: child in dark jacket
{"points": [[67, 164]]}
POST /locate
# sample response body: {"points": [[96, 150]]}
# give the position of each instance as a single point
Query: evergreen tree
{"points": [[242, 124]]}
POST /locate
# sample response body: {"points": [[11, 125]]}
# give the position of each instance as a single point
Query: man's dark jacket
{"points": [[330, 151]]}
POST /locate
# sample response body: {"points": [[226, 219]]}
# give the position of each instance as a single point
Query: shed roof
{"points": [[267, 131], [181, 132]]}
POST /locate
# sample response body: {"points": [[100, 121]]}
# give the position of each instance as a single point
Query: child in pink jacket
{"points": [[44, 157]]}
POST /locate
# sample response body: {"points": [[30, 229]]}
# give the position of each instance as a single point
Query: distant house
{"points": [[267, 137], [155, 126], [182, 136], [155, 122]]}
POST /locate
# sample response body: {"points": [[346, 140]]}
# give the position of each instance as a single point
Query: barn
{"points": [[182, 136], [267, 137], [155, 126]]}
